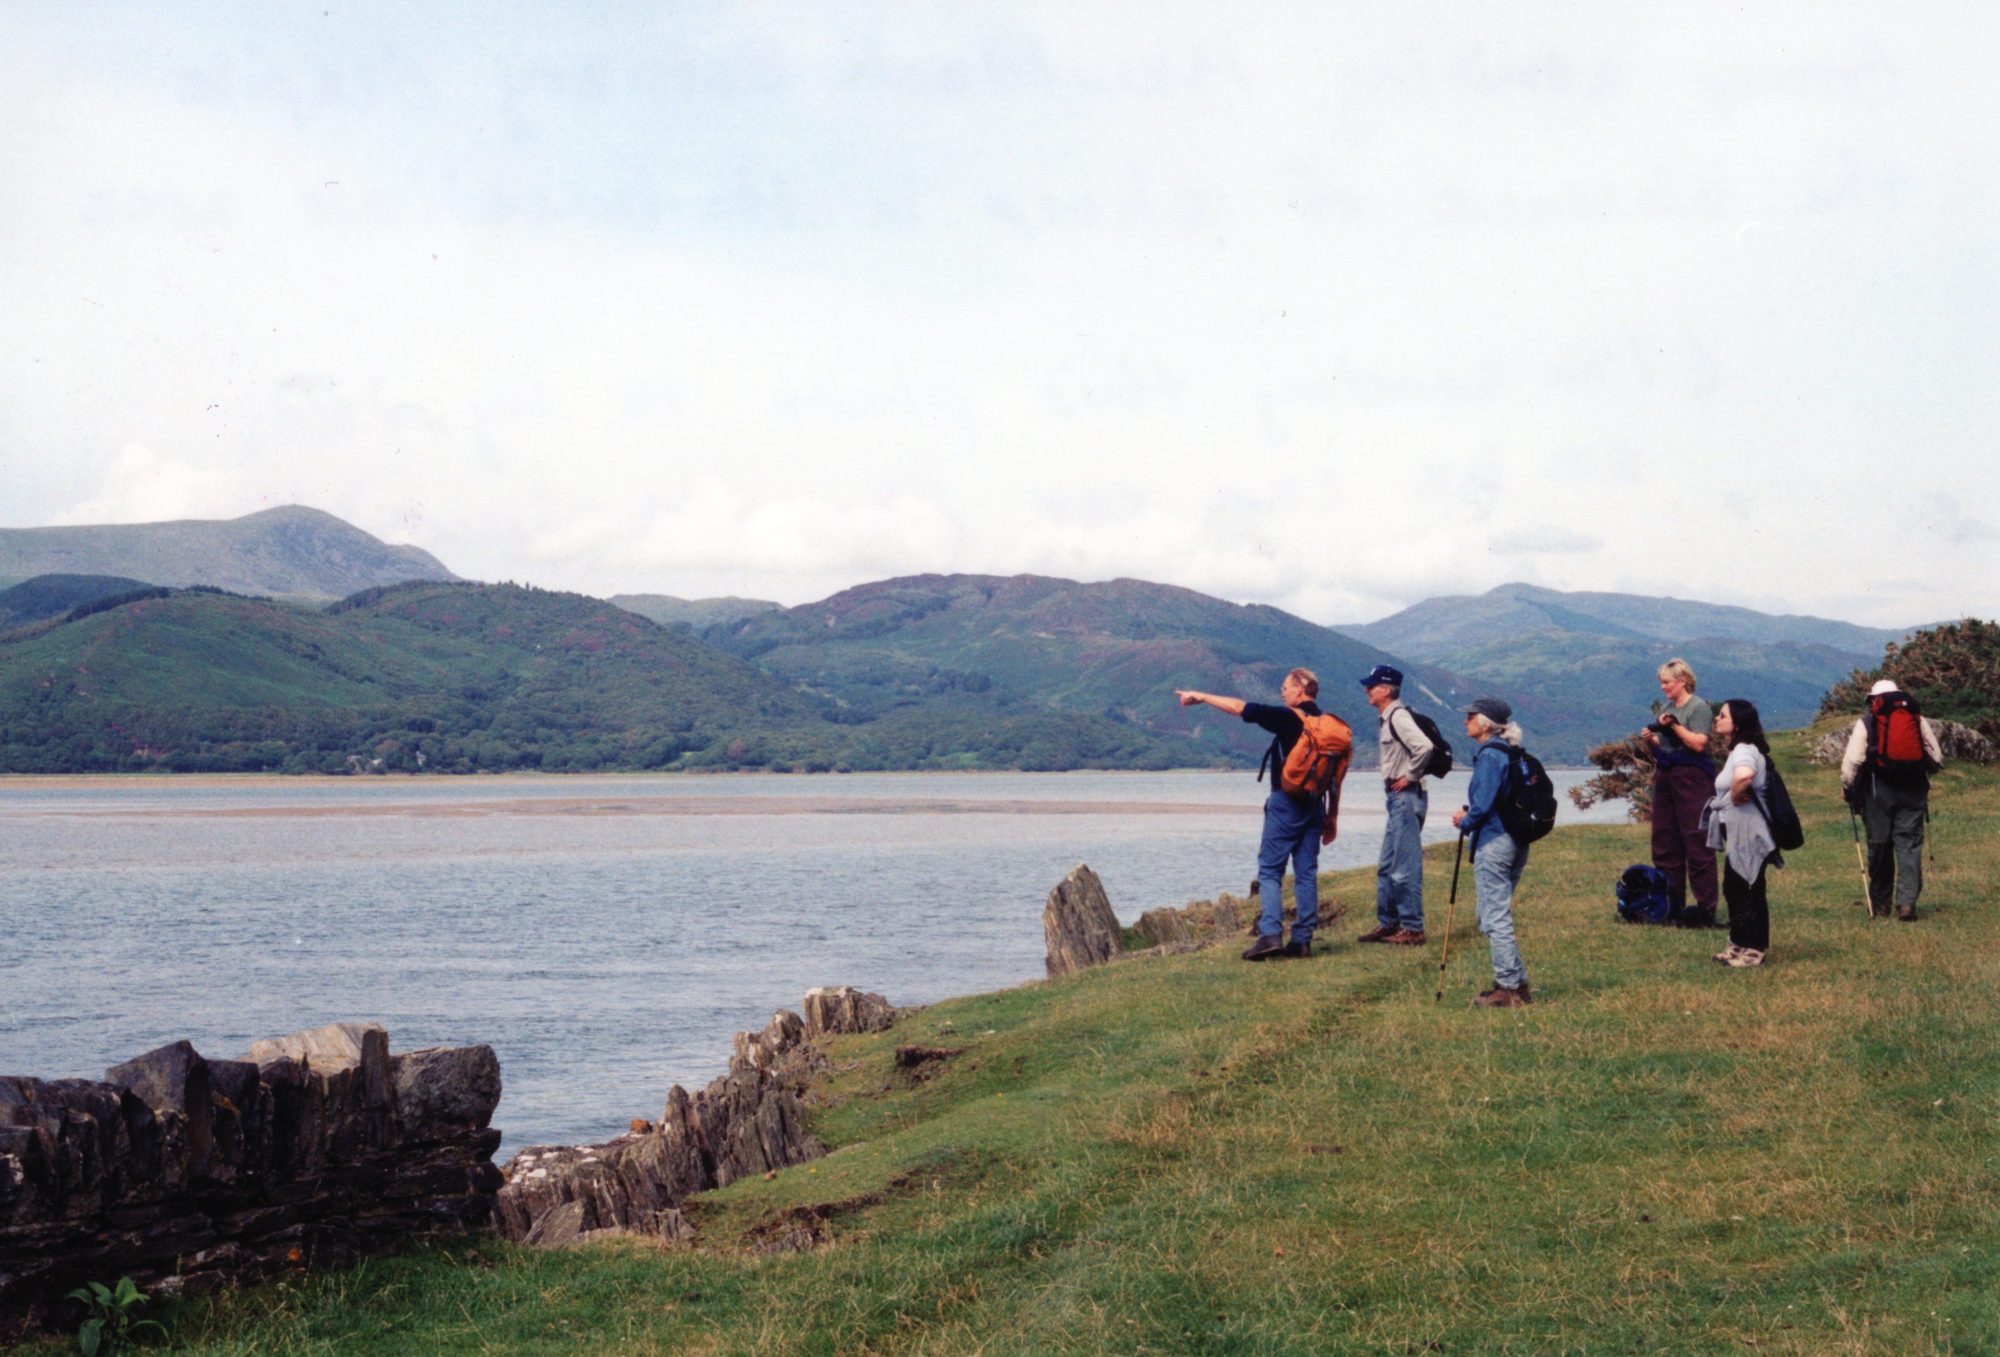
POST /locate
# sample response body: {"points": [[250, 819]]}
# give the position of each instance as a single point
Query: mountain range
{"points": [[109, 669], [1593, 657], [1114, 650]]}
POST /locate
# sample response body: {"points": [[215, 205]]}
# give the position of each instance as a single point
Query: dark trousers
{"points": [[1894, 818], [1749, 911], [1680, 845]]}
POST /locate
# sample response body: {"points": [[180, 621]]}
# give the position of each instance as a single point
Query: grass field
{"points": [[1194, 1155]]}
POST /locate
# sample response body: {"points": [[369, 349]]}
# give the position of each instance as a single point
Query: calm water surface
{"points": [[606, 935]]}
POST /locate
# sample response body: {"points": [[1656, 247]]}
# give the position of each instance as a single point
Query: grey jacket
{"points": [[1741, 832]]}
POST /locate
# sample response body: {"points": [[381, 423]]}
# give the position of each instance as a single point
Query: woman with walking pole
{"points": [[1497, 856]]}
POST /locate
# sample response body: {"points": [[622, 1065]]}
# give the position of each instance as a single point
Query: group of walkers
{"points": [[1299, 815], [1700, 809], [1702, 806]]}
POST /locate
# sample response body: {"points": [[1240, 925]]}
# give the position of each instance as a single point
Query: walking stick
{"points": [[1867, 896], [1450, 906]]}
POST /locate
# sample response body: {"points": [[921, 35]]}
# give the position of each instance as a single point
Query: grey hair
{"points": [[1483, 725]]}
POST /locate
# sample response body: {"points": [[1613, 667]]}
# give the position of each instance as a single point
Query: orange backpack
{"points": [[1318, 761]]}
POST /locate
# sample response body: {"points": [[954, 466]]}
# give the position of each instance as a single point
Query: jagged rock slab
{"points": [[1078, 925]]}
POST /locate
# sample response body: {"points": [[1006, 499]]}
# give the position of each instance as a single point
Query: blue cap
{"points": [[1383, 673]]}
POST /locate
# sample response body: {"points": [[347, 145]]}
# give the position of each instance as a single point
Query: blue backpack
{"points": [[1645, 896]]}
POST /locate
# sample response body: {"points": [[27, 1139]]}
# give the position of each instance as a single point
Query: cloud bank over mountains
{"points": [[1333, 310]]}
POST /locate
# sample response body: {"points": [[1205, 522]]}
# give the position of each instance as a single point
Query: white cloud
{"points": [[141, 486], [709, 527], [1544, 539]]}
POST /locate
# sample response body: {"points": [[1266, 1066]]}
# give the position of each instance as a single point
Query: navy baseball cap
{"points": [[1383, 673], [1492, 708]]}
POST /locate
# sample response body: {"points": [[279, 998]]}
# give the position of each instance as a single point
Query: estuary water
{"points": [[606, 935]]}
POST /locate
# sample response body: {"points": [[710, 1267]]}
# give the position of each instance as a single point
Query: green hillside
{"points": [[50, 596], [467, 678], [447, 677], [1115, 650]]}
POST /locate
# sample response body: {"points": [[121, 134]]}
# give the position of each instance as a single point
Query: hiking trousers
{"points": [[1680, 844], [1497, 865], [1399, 873], [1894, 818], [1291, 834]]}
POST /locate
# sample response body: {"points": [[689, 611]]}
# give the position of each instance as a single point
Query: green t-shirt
{"points": [[1695, 715]]}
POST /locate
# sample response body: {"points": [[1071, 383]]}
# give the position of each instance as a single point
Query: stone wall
{"points": [[184, 1173]]}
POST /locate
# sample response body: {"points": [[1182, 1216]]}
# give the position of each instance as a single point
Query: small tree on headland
{"points": [[1628, 772], [1952, 671]]}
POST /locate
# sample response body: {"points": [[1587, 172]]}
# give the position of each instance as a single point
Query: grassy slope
{"points": [[1195, 1155]]}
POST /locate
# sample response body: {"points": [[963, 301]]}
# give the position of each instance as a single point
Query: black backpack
{"points": [[1439, 763], [1527, 802], [1779, 812]]}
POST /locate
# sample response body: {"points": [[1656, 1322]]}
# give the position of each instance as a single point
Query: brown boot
{"points": [[1379, 933], [1404, 937], [1502, 997]]}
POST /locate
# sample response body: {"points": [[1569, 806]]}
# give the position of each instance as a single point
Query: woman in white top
{"points": [[1739, 829]]}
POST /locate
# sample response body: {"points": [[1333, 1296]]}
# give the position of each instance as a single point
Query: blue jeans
{"points": [[1291, 834], [1496, 870], [1399, 878]]}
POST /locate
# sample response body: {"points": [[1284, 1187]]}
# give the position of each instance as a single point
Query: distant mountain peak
{"points": [[290, 550]]}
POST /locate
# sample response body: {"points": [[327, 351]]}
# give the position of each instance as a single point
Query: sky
{"points": [[1332, 306]]}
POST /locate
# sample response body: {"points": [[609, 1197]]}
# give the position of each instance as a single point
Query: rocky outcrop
{"points": [[846, 1009], [185, 1173], [1200, 924], [751, 1120], [1078, 925]]}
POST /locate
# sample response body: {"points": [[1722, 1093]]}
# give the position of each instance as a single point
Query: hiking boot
{"points": [[1746, 956], [1699, 918], [1404, 937], [1379, 933], [1908, 914], [1299, 949], [1502, 997], [1269, 945]]}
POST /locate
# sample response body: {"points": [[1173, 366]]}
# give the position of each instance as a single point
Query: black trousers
{"points": [[1749, 911]]}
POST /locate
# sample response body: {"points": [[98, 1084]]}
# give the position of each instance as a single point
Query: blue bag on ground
{"points": [[1645, 896]]}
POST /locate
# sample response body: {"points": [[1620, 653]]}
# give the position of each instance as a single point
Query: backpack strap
{"points": [[1392, 729]]}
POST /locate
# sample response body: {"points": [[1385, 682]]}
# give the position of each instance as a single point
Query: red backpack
{"points": [[1896, 739]]}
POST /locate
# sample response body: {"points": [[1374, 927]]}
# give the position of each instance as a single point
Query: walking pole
{"points": [[1867, 896], [1450, 906]]}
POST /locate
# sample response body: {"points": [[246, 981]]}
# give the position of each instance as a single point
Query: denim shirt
{"points": [[1482, 798]]}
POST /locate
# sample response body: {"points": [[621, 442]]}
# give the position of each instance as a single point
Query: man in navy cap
{"points": [[1399, 876]]}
